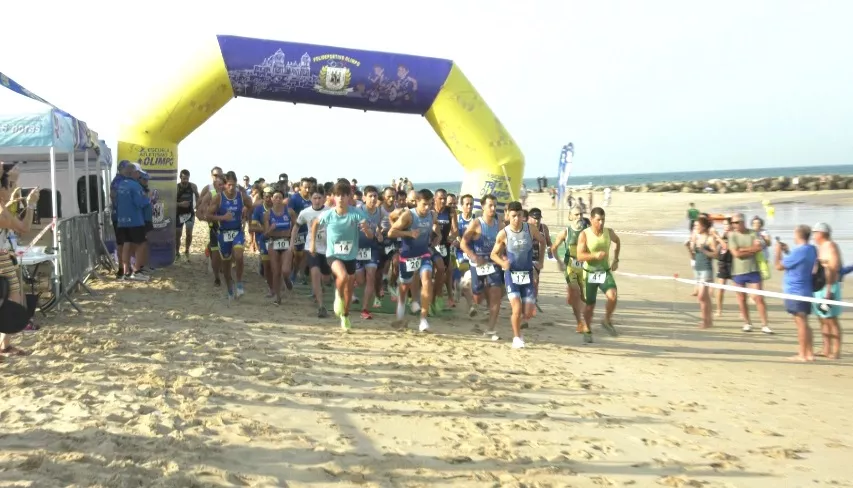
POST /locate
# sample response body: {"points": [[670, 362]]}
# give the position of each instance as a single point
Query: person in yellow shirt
{"points": [[594, 245], [574, 270]]}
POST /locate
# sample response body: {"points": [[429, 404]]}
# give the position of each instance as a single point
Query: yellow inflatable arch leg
{"points": [[321, 75]]}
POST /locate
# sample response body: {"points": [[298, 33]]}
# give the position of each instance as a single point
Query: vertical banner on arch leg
{"points": [[160, 160], [492, 161]]}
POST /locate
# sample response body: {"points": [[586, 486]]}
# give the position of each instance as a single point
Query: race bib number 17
{"points": [[520, 277]]}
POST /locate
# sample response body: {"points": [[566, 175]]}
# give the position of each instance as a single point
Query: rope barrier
{"points": [[738, 289]]}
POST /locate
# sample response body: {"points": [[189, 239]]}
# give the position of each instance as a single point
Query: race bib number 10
{"points": [[597, 277], [281, 244]]}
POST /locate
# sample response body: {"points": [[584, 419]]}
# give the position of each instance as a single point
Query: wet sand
{"points": [[162, 385]]}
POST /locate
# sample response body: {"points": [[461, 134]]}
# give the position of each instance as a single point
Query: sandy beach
{"points": [[161, 385]]}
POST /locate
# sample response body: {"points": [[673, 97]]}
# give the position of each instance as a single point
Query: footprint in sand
{"points": [[765, 432], [652, 410], [778, 452], [680, 481], [696, 430], [661, 441], [683, 406]]}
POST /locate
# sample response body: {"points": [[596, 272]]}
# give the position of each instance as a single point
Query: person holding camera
{"points": [[798, 263], [9, 222]]}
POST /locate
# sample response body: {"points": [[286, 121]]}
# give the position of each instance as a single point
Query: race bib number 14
{"points": [[343, 247]]}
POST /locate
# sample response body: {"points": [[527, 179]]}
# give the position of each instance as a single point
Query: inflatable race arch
{"points": [[319, 75]]}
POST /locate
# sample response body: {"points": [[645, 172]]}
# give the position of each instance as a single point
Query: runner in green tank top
{"points": [[574, 271], [594, 251]]}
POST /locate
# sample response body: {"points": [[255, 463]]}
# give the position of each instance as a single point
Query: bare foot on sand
{"points": [[801, 359], [827, 355]]}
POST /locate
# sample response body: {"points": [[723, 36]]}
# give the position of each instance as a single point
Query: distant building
{"points": [[274, 75]]}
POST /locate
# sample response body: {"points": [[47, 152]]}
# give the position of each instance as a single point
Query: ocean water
{"points": [[642, 178], [786, 218]]}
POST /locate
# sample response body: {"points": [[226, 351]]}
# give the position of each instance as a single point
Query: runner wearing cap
{"points": [[829, 257]]}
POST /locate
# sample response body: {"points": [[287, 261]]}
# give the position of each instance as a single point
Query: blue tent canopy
{"points": [[69, 133]]}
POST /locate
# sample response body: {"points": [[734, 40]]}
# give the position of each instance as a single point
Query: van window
{"points": [[44, 209], [96, 187]]}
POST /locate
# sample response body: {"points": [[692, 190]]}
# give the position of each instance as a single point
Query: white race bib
{"points": [[596, 277], [442, 249], [185, 218], [229, 235], [574, 263], [281, 244], [413, 264], [485, 269], [389, 249], [520, 277], [364, 254], [343, 247], [300, 239]]}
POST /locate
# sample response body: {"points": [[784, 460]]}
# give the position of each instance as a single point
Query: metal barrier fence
{"points": [[81, 251], [109, 232]]}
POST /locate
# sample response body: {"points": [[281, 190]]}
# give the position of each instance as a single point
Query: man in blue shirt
{"points": [[124, 169], [799, 264], [130, 206]]}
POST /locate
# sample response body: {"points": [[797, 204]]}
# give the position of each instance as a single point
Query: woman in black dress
{"points": [[724, 262]]}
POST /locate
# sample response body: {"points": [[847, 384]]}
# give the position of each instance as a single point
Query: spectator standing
{"points": [[799, 264]]}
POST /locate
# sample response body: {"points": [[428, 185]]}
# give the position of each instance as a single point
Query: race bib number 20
{"points": [[413, 264]]}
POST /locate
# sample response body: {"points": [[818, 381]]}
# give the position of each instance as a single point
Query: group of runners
{"points": [[424, 249]]}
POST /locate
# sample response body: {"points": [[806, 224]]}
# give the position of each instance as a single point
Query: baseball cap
{"points": [[535, 213], [144, 175], [822, 227], [282, 176]]}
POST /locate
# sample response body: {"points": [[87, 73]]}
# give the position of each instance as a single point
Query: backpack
{"points": [[819, 277]]}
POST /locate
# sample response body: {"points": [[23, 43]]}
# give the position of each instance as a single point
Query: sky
{"points": [[638, 87]]}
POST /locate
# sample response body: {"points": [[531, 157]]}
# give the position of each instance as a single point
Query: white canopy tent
{"points": [[51, 149]]}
